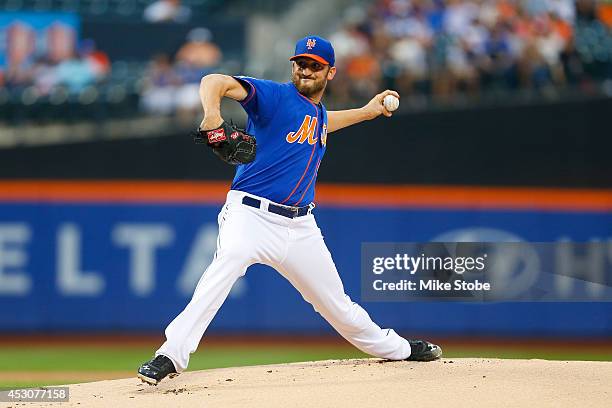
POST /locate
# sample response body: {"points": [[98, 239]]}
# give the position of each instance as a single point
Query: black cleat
{"points": [[156, 370], [423, 351]]}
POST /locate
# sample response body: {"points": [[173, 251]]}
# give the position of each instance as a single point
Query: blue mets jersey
{"points": [[291, 133]]}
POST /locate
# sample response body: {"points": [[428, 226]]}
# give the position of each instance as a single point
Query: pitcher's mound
{"points": [[367, 383]]}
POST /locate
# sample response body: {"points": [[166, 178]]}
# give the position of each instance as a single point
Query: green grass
{"points": [[100, 358], [116, 359]]}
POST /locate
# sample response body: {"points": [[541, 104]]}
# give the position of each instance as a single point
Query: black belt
{"points": [[289, 212]]}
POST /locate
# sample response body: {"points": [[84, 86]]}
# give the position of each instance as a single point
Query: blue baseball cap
{"points": [[315, 47]]}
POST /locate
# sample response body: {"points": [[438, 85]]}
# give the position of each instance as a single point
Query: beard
{"points": [[309, 88]]}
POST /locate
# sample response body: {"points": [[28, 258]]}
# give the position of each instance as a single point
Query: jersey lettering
{"points": [[306, 132]]}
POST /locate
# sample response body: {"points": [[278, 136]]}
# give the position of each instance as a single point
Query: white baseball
{"points": [[391, 102]]}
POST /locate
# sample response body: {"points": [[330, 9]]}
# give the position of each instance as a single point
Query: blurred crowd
{"points": [[422, 48], [164, 85], [64, 69], [445, 47]]}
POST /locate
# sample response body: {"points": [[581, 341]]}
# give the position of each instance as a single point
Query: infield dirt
{"points": [[365, 383]]}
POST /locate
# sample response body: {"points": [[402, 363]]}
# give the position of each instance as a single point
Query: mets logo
{"points": [[305, 132], [310, 43]]}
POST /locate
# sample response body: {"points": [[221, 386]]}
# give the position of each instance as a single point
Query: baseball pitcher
{"points": [[268, 216]]}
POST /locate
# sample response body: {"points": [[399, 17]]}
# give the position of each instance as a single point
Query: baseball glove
{"points": [[232, 145]]}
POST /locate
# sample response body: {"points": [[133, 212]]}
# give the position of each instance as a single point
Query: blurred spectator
{"points": [[350, 40], [593, 41], [199, 50], [604, 13], [171, 88], [550, 45], [75, 74], [564, 9], [163, 11], [497, 67], [573, 69], [353, 56], [160, 86], [363, 73], [489, 12], [458, 16], [197, 57], [410, 57], [561, 27], [97, 60], [45, 76]]}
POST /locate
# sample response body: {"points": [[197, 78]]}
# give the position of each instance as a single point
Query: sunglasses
{"points": [[314, 66]]}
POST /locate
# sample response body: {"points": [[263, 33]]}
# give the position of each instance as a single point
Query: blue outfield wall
{"points": [[133, 267]]}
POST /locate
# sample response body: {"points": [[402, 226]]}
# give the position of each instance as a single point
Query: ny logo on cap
{"points": [[311, 43]]}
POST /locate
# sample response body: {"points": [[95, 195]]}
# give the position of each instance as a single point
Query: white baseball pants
{"points": [[295, 248]]}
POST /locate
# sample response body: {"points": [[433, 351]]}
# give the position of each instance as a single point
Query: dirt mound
{"points": [[366, 383]]}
